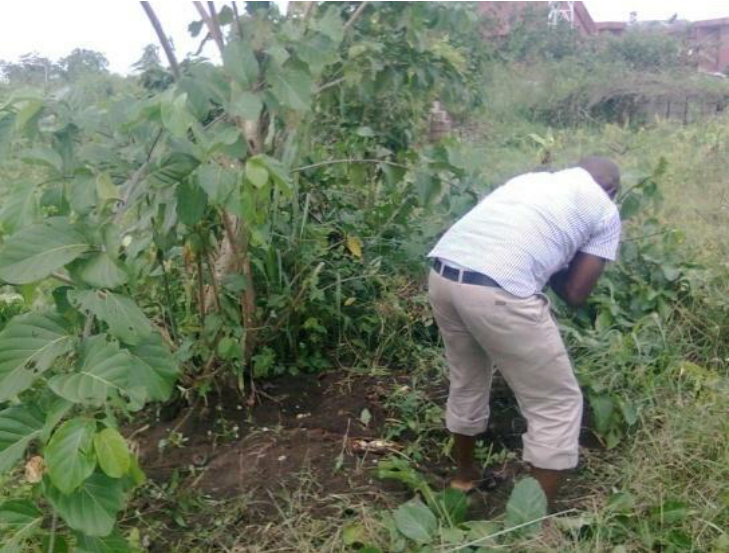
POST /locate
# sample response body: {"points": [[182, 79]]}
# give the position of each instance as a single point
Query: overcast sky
{"points": [[120, 30]]}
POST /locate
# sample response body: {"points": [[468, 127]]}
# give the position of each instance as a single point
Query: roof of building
{"points": [[504, 12], [720, 22], [583, 13], [610, 25]]}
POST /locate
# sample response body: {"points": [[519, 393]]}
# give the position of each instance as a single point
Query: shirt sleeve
{"points": [[605, 239]]}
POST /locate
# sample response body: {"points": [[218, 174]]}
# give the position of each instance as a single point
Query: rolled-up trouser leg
{"points": [[523, 340], [470, 371], [469, 367], [552, 406]]}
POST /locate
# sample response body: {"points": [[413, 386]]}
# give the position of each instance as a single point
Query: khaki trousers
{"points": [[483, 327]]}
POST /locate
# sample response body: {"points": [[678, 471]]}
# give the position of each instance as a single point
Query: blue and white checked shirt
{"points": [[531, 227]]}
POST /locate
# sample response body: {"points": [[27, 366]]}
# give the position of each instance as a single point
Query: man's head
{"points": [[604, 171]]}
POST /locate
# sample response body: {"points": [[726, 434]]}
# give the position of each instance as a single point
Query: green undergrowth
{"points": [[151, 237], [650, 351], [651, 354]]}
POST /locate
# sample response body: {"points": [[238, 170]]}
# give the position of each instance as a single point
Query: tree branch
{"points": [[238, 23], [200, 288], [330, 84], [202, 44], [212, 28], [88, 326], [308, 10], [164, 41], [213, 282], [335, 161], [62, 278], [355, 16], [134, 181], [216, 23]]}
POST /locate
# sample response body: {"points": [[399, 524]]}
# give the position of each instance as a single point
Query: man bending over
{"points": [[489, 270]]}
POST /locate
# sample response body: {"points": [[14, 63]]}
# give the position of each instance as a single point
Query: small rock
{"points": [[34, 469]]}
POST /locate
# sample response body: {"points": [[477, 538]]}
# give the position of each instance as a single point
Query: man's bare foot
{"points": [[466, 480], [550, 481], [467, 471]]}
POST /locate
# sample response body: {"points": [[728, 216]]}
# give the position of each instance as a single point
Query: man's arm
{"points": [[575, 284]]}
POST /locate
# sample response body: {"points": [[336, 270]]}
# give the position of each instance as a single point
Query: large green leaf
{"points": [[256, 172], [331, 24], [102, 271], [172, 169], [106, 190], [246, 105], [175, 115], [415, 521], [240, 63], [28, 110], [604, 410], [630, 207], [55, 410], [317, 51], [124, 318], [526, 503], [291, 87], [153, 368], [19, 425], [20, 209], [69, 454], [45, 156], [29, 345], [113, 543], [92, 507], [54, 199], [219, 182], [36, 251], [82, 193], [191, 202], [198, 96], [19, 520], [222, 138], [276, 170], [104, 367], [112, 452]]}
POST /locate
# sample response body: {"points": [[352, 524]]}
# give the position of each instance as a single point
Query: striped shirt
{"points": [[531, 227]]}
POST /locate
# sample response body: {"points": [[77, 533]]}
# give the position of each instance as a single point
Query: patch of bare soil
{"points": [[306, 424], [314, 426]]}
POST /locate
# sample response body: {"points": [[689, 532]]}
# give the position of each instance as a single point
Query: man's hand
{"points": [[575, 284]]}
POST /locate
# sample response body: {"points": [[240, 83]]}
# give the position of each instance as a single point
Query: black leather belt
{"points": [[465, 277]]}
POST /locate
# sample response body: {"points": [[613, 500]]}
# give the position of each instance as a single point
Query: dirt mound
{"points": [[303, 425], [316, 429]]}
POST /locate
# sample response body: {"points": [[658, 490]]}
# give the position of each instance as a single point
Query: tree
{"points": [[30, 70], [206, 216], [149, 60], [82, 62], [152, 75]]}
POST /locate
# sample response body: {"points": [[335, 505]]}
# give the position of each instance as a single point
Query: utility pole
{"points": [[562, 11]]}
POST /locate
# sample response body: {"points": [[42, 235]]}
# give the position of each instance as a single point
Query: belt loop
{"points": [[460, 276]]}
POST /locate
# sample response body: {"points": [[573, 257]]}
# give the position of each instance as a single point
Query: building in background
{"points": [[710, 37], [505, 15]]}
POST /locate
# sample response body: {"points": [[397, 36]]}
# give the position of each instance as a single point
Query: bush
{"points": [[644, 50]]}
